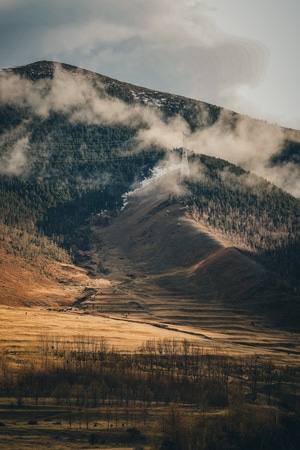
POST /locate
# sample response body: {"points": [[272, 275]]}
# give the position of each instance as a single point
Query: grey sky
{"points": [[233, 53]]}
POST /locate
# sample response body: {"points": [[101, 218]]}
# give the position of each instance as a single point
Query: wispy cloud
{"points": [[250, 143], [82, 101], [14, 161]]}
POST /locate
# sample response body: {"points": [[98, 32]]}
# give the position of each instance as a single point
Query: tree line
{"points": [[185, 385]]}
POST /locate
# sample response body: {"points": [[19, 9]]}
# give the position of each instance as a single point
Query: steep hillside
{"points": [[25, 284], [35, 271], [157, 252]]}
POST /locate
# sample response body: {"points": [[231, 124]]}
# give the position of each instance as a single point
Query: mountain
{"points": [[73, 143]]}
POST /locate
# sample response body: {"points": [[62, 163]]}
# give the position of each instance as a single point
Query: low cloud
{"points": [[14, 162], [86, 101], [249, 143], [164, 133]]}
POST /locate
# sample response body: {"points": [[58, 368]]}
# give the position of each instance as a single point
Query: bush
{"points": [[134, 433]]}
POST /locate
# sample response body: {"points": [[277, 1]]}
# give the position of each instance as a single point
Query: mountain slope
{"points": [[73, 142], [161, 255], [35, 271]]}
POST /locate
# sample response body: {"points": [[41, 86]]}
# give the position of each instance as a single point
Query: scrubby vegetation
{"points": [[31, 247], [169, 395]]}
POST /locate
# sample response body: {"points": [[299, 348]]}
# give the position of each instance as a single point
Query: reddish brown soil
{"points": [[26, 284]]}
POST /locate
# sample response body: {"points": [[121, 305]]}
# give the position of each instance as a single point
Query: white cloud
{"points": [[250, 145], [14, 162]]}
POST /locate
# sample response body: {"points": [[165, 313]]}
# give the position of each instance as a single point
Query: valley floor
{"points": [[127, 329]]}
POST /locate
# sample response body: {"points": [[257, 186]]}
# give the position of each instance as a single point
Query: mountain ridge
{"points": [[46, 68], [243, 139]]}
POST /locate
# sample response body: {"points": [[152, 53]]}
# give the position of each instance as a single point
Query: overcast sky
{"points": [[239, 54]]}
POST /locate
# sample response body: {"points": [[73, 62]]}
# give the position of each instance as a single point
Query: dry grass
{"points": [[21, 329], [22, 283]]}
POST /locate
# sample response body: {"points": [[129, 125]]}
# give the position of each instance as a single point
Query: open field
{"points": [[75, 391], [231, 331]]}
